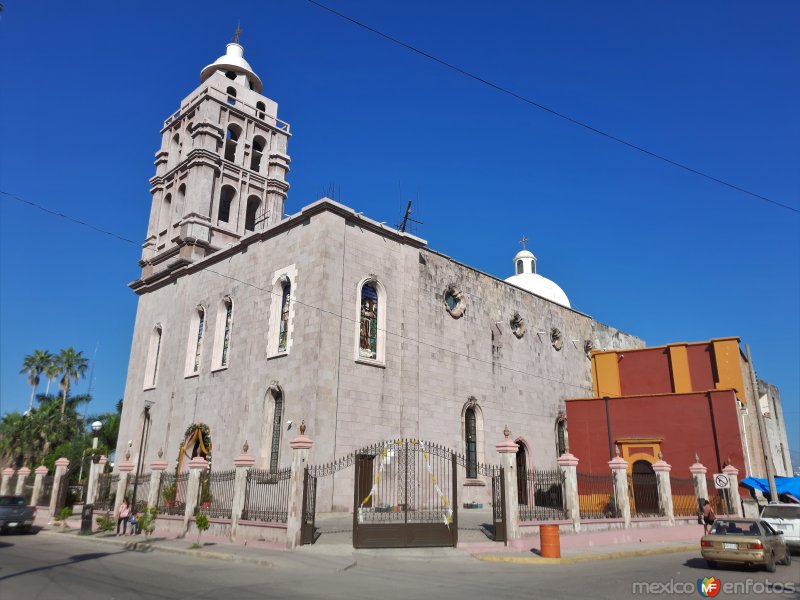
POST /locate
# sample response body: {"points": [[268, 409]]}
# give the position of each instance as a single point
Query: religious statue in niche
{"points": [[454, 302], [518, 325], [556, 338], [368, 338]]}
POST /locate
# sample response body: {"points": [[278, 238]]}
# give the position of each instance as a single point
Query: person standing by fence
{"points": [[122, 517]]}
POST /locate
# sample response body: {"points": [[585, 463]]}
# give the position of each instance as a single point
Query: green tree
{"points": [[73, 368], [51, 372], [34, 365]]}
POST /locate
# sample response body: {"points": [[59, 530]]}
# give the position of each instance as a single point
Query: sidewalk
{"points": [[334, 552]]}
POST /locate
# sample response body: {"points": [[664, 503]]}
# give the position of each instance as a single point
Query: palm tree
{"points": [[51, 372], [73, 368], [34, 364]]}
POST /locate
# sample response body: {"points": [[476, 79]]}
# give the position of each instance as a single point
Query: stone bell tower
{"points": [[220, 171]]}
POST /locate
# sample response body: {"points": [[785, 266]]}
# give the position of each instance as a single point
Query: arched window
{"points": [[231, 75], [226, 336], [165, 219], [271, 420], [231, 95], [260, 107], [253, 204], [519, 267], [151, 367], [277, 419], [258, 152], [175, 150], [226, 197], [232, 141], [194, 350], [180, 198], [561, 437], [371, 323], [201, 328], [471, 438], [283, 332]]}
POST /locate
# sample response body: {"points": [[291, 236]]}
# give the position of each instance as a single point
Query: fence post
{"points": [[61, 470], [8, 473], [157, 467], [98, 470], [125, 469], [662, 469], [508, 459], [243, 462], [294, 521], [698, 472], [733, 489], [619, 477], [22, 475], [196, 467], [37, 484], [568, 464]]}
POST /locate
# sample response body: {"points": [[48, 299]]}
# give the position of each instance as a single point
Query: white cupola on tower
{"points": [[526, 277], [235, 67]]}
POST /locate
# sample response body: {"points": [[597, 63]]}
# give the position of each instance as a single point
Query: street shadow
{"points": [[5, 545], [74, 559]]}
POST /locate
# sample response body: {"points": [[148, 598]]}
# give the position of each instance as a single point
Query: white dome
{"points": [[541, 286], [233, 60]]}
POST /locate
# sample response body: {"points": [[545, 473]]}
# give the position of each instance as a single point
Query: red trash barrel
{"points": [[551, 543]]}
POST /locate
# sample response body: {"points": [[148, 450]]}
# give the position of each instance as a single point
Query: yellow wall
{"points": [[679, 362], [605, 375], [729, 367]]}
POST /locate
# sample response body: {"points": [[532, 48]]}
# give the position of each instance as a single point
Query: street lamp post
{"points": [[140, 460], [96, 427]]}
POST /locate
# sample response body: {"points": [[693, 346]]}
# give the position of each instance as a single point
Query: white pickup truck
{"points": [[785, 518]]}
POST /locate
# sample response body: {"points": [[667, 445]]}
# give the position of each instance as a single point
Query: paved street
{"points": [[48, 566]]}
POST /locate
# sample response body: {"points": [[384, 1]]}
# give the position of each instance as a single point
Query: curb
{"points": [[149, 546], [569, 560]]}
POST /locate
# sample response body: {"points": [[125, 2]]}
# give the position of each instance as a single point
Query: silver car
{"points": [[785, 518]]}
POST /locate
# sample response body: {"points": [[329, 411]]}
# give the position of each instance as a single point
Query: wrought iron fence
{"points": [[684, 502], [596, 497], [142, 487], [643, 495], [541, 495], [106, 491], [172, 493], [47, 490], [266, 496], [215, 496], [719, 499], [27, 488]]}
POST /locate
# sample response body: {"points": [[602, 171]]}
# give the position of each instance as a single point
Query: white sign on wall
{"points": [[721, 481]]}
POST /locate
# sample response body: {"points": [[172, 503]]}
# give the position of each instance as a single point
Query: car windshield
{"points": [[735, 528], [781, 512], [12, 501]]}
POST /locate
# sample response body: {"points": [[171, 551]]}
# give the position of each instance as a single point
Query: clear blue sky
{"points": [[634, 242]]}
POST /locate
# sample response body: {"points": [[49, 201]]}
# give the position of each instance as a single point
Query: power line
{"points": [[552, 111], [311, 306]]}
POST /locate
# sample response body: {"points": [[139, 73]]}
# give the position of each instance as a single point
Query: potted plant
{"points": [[169, 492], [205, 496]]}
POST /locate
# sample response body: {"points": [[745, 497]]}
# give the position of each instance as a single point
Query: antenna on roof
{"points": [[407, 218]]}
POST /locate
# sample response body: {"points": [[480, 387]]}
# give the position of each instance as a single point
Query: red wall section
{"points": [[682, 421], [645, 372], [701, 366]]}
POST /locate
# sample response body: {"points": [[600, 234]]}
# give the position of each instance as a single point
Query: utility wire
{"points": [[311, 306], [547, 109]]}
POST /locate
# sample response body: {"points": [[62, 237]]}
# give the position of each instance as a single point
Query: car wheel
{"points": [[712, 564], [787, 560], [770, 566]]}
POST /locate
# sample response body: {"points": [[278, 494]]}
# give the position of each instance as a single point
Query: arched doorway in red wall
{"points": [[644, 489]]}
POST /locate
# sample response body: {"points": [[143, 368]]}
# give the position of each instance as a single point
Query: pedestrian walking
{"points": [[122, 517]]}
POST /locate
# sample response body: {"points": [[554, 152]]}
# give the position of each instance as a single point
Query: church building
{"points": [[250, 321]]}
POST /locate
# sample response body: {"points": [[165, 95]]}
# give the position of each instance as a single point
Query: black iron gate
{"points": [[307, 527], [499, 505], [412, 500]]}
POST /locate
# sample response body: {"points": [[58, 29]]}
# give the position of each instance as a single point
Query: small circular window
{"points": [[454, 302], [517, 325]]}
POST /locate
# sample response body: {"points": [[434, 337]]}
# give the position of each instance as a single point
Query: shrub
{"points": [[147, 520], [105, 522], [202, 525], [64, 514]]}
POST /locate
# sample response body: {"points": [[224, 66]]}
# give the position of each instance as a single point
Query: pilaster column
{"points": [[196, 467], [125, 469], [243, 463], [8, 473], [508, 459], [662, 470], [40, 472], [22, 475], [568, 464], [294, 522], [733, 489], [698, 472], [61, 470], [619, 477], [157, 468], [99, 468]]}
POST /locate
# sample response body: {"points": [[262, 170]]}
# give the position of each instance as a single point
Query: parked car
{"points": [[786, 518], [15, 514], [746, 542]]}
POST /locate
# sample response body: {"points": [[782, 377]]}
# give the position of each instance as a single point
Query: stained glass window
{"points": [[283, 333], [471, 436], [276, 432], [201, 314], [226, 339], [368, 339]]}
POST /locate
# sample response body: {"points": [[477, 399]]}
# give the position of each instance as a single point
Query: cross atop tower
{"points": [[522, 241], [237, 33]]}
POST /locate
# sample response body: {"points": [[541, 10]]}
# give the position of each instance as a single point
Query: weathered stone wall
{"points": [[770, 399]]}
